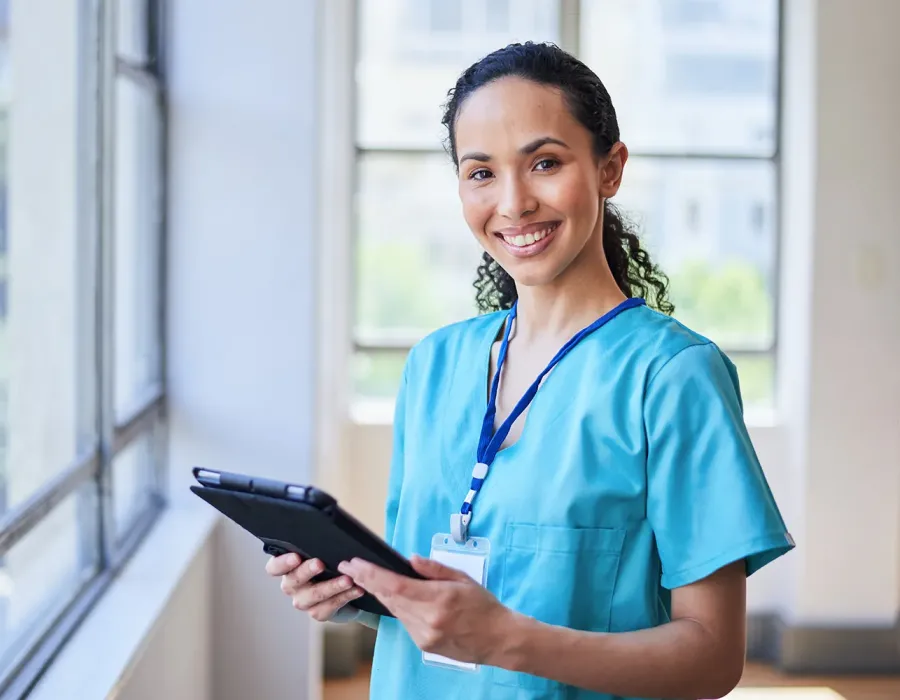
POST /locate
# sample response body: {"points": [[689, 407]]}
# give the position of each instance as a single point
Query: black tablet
{"points": [[300, 519]]}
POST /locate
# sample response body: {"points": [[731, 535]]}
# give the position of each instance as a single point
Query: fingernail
{"points": [[356, 592], [294, 560], [346, 583], [315, 566]]}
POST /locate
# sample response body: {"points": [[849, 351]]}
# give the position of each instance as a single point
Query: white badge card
{"points": [[472, 559]]}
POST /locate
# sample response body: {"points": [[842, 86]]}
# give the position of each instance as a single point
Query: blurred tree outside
{"points": [[393, 289], [728, 303]]}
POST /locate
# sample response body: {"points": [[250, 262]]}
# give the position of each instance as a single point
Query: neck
{"points": [[581, 295]]}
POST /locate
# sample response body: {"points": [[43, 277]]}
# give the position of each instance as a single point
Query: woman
{"points": [[625, 506]]}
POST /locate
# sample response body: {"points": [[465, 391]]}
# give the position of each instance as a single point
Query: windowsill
{"points": [[372, 412], [107, 644]]}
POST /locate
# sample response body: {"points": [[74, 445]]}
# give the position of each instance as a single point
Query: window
{"points": [[696, 89], [445, 16], [81, 348]]}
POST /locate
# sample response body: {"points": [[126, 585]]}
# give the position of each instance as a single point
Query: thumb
{"points": [[429, 568]]}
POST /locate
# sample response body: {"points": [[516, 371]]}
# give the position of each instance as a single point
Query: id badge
{"points": [[472, 559]]}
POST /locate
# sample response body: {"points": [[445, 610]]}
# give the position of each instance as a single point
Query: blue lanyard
{"points": [[489, 442]]}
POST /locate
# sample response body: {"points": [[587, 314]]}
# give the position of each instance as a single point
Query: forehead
{"points": [[512, 110]]}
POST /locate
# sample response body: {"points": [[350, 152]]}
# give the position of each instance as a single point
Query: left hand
{"points": [[449, 614]]}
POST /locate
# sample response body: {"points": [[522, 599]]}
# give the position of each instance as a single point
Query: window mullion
{"points": [[89, 231], [161, 464], [570, 26], [105, 335]]}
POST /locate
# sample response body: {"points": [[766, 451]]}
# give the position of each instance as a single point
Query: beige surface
{"points": [[784, 694], [759, 683]]}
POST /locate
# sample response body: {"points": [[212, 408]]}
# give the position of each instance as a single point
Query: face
{"points": [[530, 184]]}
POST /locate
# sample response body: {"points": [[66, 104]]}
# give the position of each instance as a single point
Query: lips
{"points": [[526, 241]]}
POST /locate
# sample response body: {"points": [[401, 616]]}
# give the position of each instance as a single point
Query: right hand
{"points": [[320, 600]]}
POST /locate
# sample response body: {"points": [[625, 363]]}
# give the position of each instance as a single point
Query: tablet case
{"points": [[304, 520]]}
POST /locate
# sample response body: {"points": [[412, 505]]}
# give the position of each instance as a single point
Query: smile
{"points": [[528, 240]]}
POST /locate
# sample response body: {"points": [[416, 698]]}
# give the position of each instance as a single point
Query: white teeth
{"points": [[528, 238]]}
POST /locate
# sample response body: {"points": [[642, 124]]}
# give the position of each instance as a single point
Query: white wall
{"points": [[833, 454], [243, 176], [847, 563]]}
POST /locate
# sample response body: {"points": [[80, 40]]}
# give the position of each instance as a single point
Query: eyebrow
{"points": [[527, 149]]}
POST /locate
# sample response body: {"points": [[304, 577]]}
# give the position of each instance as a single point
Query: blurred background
{"points": [[223, 224]]}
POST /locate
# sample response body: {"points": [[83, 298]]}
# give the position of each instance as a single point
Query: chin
{"points": [[530, 274]]}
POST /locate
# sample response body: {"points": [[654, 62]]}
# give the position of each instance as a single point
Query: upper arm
{"points": [[708, 501], [718, 603]]}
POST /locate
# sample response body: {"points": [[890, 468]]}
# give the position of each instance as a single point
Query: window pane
{"points": [[132, 27], [47, 257], [412, 51], [687, 75], [137, 222], [757, 378], [134, 480], [376, 376], [416, 258], [44, 572], [4, 248], [711, 224]]}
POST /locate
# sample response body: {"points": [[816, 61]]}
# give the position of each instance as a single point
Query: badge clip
{"points": [[459, 527]]}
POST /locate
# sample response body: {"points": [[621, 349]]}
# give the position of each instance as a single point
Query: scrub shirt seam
{"points": [[668, 361]]}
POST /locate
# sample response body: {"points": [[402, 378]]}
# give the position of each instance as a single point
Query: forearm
{"points": [[679, 659]]}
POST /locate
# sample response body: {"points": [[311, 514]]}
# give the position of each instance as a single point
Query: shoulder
{"points": [[681, 362], [675, 352]]}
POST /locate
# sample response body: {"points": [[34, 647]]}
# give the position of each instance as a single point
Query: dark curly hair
{"points": [[590, 104]]}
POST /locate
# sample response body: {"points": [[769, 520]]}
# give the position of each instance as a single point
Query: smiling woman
{"points": [[585, 145], [616, 506]]}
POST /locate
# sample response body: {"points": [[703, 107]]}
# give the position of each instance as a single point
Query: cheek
{"points": [[573, 195], [476, 210]]}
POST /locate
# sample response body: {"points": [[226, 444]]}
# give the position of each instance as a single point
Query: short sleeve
{"points": [[708, 501]]}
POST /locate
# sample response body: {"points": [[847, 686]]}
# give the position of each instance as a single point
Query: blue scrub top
{"points": [[634, 475]]}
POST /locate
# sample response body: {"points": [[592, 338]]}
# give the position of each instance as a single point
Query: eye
{"points": [[480, 174], [545, 164]]}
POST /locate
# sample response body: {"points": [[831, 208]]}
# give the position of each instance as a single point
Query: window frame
{"points": [[101, 66], [389, 344]]}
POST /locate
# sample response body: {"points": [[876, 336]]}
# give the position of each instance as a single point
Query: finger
{"points": [[383, 584], [310, 596], [429, 568], [326, 609], [301, 576], [279, 566]]}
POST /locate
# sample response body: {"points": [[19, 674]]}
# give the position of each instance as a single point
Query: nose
{"points": [[516, 200]]}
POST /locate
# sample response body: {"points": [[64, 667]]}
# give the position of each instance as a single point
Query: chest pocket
{"points": [[561, 576]]}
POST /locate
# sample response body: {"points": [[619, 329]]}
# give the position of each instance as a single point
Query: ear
{"points": [[611, 169]]}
